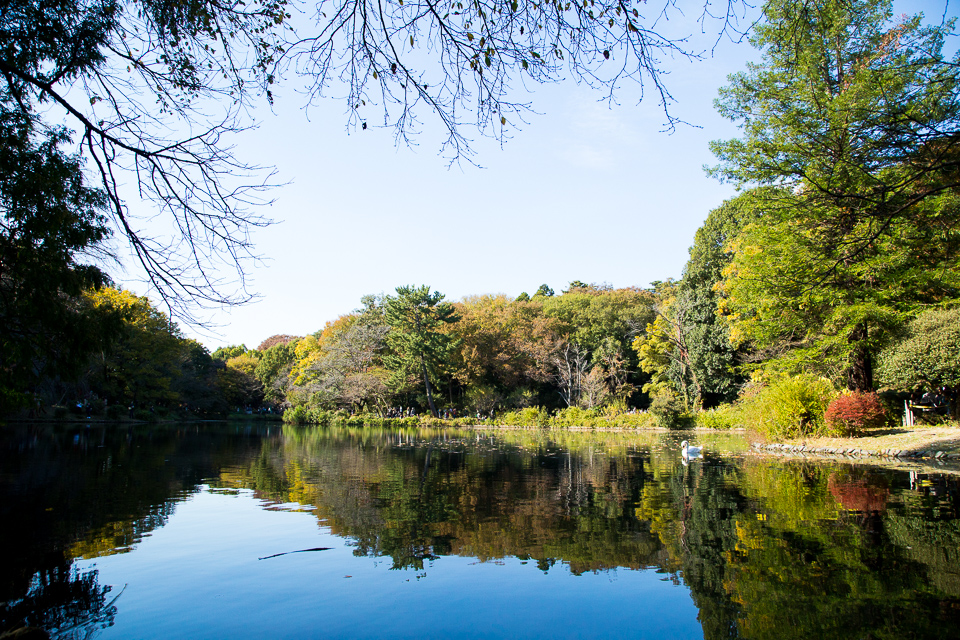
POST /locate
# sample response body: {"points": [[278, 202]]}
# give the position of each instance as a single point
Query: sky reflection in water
{"points": [[200, 577]]}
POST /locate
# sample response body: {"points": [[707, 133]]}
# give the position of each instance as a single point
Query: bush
{"points": [[144, 414], [95, 407], [295, 415], [11, 401], [669, 411], [721, 418], [306, 415], [790, 407], [853, 413], [116, 412], [574, 417], [528, 417]]}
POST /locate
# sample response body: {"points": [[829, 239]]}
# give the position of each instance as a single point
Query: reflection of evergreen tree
{"points": [[693, 510], [62, 601], [711, 533]]}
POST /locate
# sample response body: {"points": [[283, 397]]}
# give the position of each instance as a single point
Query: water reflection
{"points": [[766, 548], [82, 492], [64, 601]]}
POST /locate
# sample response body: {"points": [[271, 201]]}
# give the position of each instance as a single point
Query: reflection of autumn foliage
{"points": [[413, 499], [858, 494]]}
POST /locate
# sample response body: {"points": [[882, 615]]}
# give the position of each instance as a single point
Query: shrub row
{"points": [[529, 417], [784, 408], [577, 417], [305, 415], [722, 418]]}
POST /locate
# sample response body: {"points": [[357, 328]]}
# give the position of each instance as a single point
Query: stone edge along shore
{"points": [[853, 452]]}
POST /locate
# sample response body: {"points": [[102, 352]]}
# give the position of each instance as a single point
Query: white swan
{"points": [[689, 452]]}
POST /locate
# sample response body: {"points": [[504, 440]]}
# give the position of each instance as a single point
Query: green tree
{"points": [[50, 219], [594, 325], [230, 351], [143, 361], [853, 124], [274, 368], [238, 380], [198, 382], [417, 344], [926, 358], [663, 351], [543, 291], [711, 355], [239, 384], [578, 284], [590, 316]]}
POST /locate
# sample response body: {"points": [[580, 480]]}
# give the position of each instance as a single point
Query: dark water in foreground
{"points": [[187, 532]]}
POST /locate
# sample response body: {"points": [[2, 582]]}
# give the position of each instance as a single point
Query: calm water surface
{"points": [[226, 531]]}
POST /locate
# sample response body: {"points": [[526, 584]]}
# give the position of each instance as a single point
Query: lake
{"points": [[225, 530]]}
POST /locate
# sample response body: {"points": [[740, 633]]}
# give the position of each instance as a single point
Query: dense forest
{"points": [[833, 274]]}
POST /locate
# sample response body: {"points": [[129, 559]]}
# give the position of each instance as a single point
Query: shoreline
{"points": [[948, 463], [502, 427], [904, 443], [937, 446]]}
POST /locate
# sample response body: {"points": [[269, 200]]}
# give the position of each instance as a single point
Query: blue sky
{"points": [[586, 190]]}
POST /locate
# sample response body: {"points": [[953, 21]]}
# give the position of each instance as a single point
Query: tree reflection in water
{"points": [[63, 601]]}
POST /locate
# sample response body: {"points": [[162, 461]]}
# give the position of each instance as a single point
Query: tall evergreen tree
{"points": [[416, 344], [711, 354]]}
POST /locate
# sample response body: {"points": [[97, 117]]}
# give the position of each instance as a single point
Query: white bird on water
{"points": [[689, 452]]}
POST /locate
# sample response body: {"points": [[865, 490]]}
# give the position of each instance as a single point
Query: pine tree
{"points": [[416, 344]]}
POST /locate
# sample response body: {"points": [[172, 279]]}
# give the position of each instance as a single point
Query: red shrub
{"points": [[853, 413]]}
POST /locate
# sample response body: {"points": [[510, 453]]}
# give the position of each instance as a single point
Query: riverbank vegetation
{"points": [[832, 276]]}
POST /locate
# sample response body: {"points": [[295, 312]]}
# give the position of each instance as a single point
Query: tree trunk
{"points": [[860, 377], [426, 383]]}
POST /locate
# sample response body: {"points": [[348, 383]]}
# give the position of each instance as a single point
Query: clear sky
{"points": [[585, 191]]}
